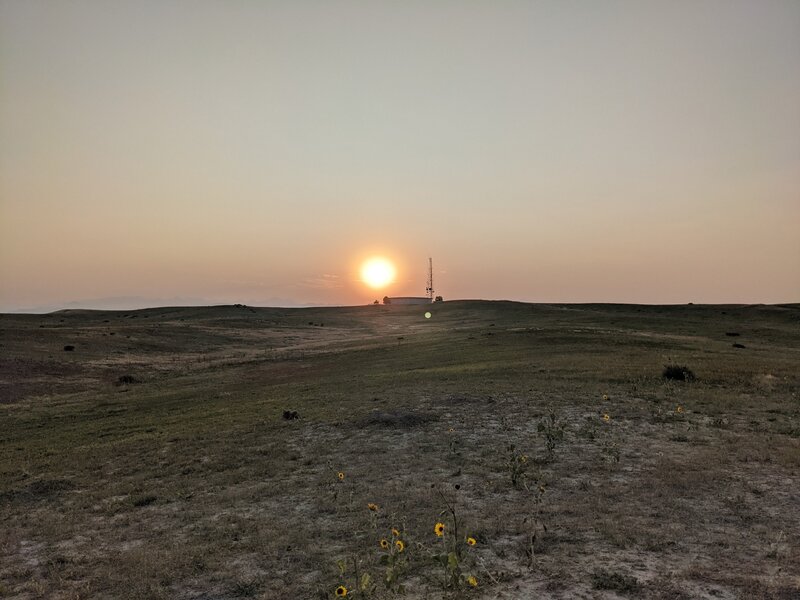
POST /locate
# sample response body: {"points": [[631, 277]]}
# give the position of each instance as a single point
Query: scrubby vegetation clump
{"points": [[677, 373]]}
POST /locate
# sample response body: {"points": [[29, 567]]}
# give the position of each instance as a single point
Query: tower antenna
{"points": [[429, 289]]}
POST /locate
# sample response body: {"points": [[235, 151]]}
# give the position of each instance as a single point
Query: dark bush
{"points": [[731, 334], [619, 582], [126, 379], [69, 348], [290, 415], [738, 345], [144, 500], [677, 373]]}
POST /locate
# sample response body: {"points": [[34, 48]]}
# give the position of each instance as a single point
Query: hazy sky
{"points": [[257, 152]]}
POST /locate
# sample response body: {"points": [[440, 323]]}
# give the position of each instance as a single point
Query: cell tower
{"points": [[429, 289]]}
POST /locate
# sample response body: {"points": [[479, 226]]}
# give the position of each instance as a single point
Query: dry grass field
{"points": [[154, 460]]}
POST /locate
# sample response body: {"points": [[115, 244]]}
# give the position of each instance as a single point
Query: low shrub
{"points": [[144, 500], [610, 580], [678, 373]]}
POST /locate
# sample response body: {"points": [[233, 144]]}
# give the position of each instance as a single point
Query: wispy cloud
{"points": [[326, 281]]}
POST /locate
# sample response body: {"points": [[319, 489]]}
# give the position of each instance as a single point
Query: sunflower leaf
{"points": [[365, 579]]}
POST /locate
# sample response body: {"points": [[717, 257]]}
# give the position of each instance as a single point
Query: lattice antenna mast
{"points": [[429, 289]]}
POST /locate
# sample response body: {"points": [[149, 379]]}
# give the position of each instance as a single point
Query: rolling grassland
{"points": [[494, 450]]}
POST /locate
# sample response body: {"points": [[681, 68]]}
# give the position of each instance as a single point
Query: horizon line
{"points": [[36, 311]]}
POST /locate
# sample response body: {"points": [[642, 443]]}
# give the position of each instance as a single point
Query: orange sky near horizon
{"points": [[205, 152]]}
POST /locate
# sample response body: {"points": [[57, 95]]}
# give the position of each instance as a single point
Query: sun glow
{"points": [[377, 272]]}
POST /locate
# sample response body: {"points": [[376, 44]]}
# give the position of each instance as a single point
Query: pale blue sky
{"points": [[542, 151]]}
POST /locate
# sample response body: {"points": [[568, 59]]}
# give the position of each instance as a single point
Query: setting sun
{"points": [[377, 272]]}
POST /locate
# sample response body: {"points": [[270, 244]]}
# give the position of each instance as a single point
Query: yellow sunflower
{"points": [[399, 545], [679, 410], [472, 580], [471, 541], [395, 532], [605, 396], [384, 544], [606, 417], [438, 529], [340, 475], [341, 591], [372, 506]]}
